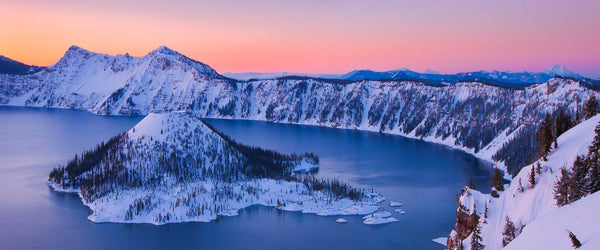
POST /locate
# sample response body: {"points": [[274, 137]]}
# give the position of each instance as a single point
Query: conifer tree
{"points": [[521, 189], [476, 238], [561, 188], [577, 185], [538, 169], [594, 148], [576, 243], [509, 233], [485, 212], [532, 177], [545, 137], [564, 122], [497, 180], [590, 108], [471, 184], [593, 179]]}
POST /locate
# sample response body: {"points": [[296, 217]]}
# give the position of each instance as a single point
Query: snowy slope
{"points": [[549, 231], [171, 167], [474, 117], [524, 209]]}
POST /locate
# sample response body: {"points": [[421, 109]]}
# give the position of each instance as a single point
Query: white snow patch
{"points": [[441, 240], [395, 204], [341, 220]]}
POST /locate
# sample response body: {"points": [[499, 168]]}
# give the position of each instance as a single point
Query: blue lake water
{"points": [[421, 175]]}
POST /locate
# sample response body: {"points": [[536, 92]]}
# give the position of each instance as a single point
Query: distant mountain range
{"points": [[493, 77], [501, 78]]}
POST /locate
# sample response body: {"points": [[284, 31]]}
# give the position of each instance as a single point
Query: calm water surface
{"points": [[422, 175]]}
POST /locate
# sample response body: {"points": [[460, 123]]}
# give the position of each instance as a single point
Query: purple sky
{"points": [[312, 36]]}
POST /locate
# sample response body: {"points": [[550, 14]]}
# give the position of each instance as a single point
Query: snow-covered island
{"points": [[173, 167]]}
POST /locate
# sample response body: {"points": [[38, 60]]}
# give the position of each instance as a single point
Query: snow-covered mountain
{"points": [[533, 209], [560, 70], [485, 120], [172, 167], [10, 66]]}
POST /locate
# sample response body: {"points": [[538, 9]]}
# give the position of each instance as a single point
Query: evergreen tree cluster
{"points": [[584, 177], [264, 163], [523, 148], [591, 108], [336, 188], [519, 150]]}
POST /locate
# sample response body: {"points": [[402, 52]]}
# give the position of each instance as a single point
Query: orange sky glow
{"points": [[311, 36]]}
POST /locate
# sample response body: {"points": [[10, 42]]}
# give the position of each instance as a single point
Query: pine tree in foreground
{"points": [[485, 212], [574, 240], [545, 137], [577, 183], [471, 184], [497, 180], [593, 179], [520, 188], [476, 238], [532, 177], [561, 188], [510, 232], [564, 122], [591, 107]]}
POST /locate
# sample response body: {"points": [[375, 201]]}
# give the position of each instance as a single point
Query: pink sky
{"points": [[312, 36]]}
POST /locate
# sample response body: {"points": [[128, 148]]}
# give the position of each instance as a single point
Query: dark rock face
{"points": [[462, 228]]}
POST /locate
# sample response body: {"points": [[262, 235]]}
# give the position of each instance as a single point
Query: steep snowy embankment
{"points": [[533, 203], [550, 230], [171, 167]]}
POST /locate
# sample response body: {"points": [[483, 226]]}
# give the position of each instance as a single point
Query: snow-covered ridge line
{"points": [[172, 168], [474, 117], [533, 207]]}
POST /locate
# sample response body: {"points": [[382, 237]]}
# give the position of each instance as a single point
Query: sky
{"points": [[315, 36]]}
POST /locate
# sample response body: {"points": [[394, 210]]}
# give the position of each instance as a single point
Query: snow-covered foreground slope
{"points": [[172, 167], [488, 121], [535, 207], [550, 230]]}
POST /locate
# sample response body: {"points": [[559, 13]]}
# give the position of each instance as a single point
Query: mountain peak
{"points": [[403, 69], [561, 71], [74, 48], [164, 50], [75, 51]]}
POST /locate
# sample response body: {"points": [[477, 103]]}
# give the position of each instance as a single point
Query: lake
{"points": [[423, 176]]}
